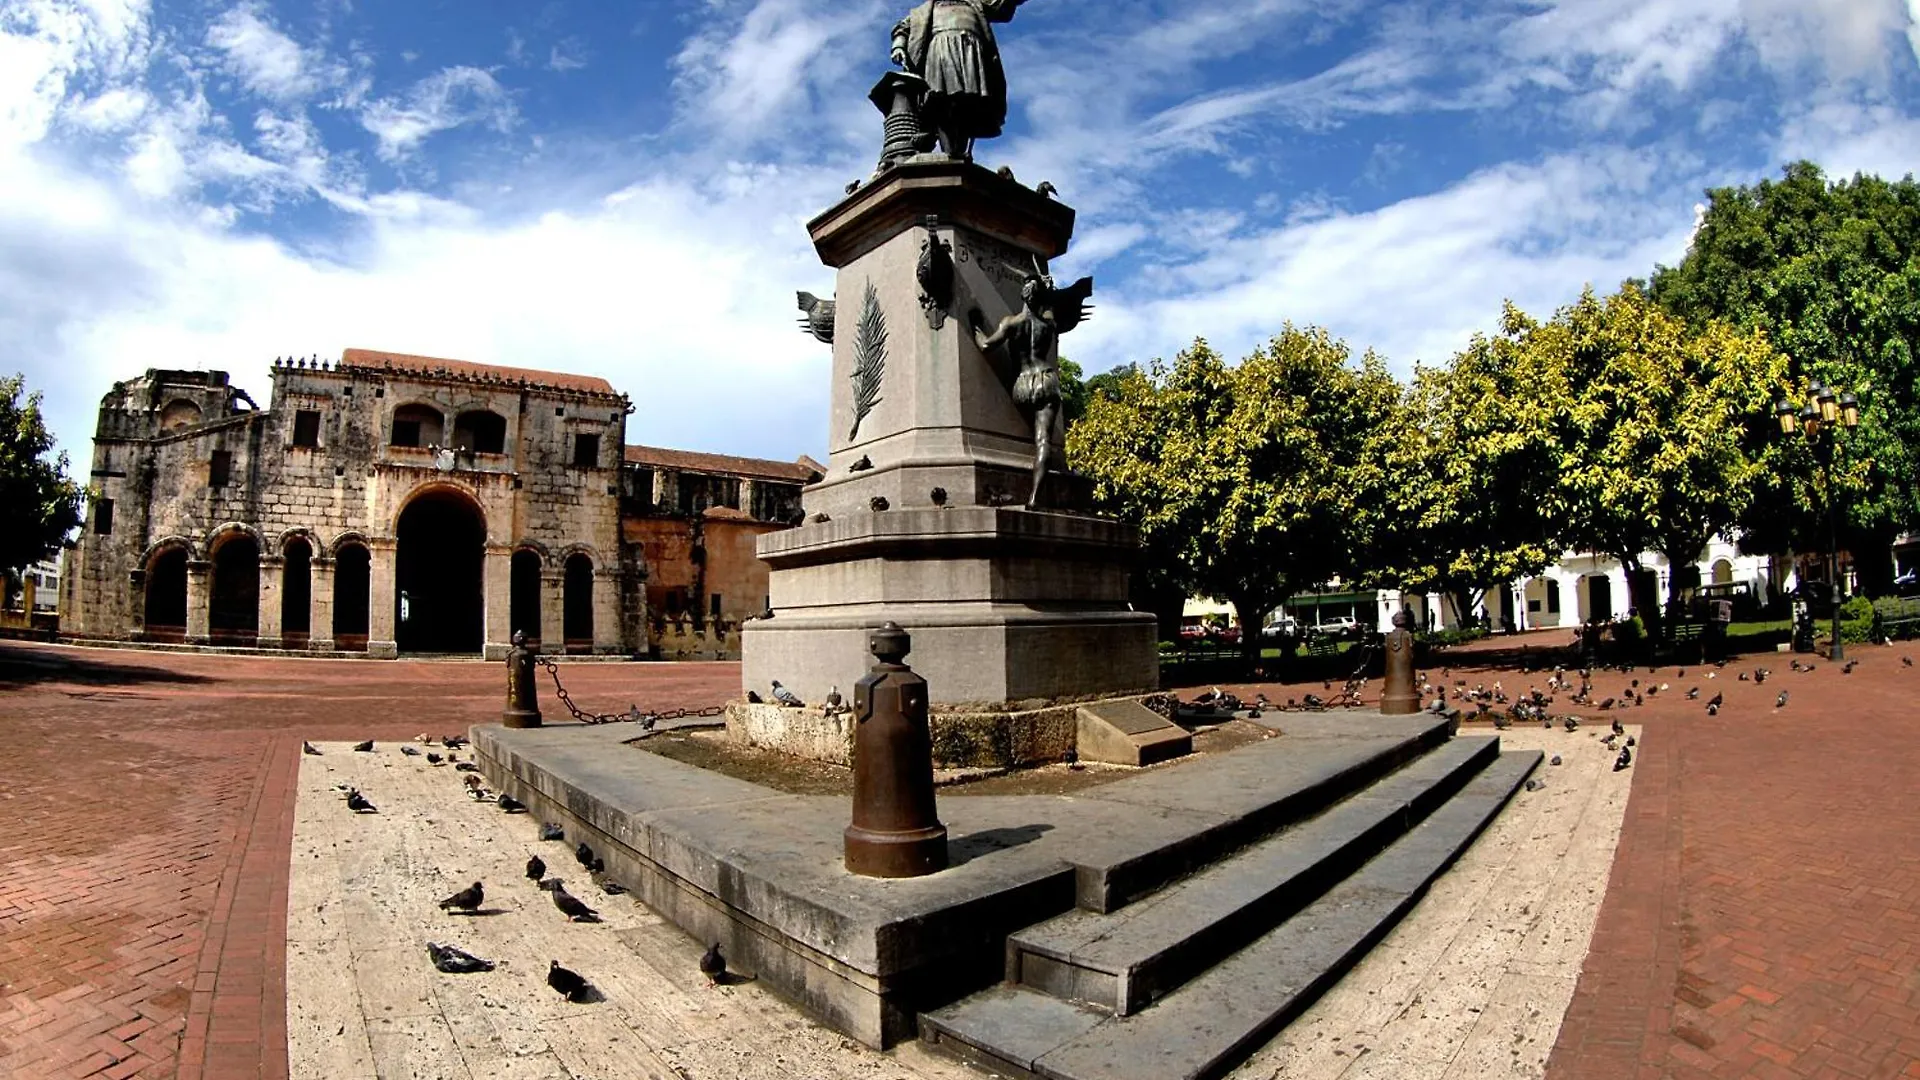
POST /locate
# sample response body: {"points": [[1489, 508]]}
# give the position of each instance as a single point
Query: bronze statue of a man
{"points": [[1032, 339], [950, 44]]}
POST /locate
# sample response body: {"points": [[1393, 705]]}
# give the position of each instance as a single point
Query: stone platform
{"points": [[760, 871]]}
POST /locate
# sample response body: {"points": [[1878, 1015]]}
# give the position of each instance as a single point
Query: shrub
{"points": [[1856, 621], [1444, 638], [1630, 631]]}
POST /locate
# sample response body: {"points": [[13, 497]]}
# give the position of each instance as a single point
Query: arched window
{"points": [[481, 431], [417, 425], [178, 415]]}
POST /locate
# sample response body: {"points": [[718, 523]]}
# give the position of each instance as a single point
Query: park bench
{"points": [[1898, 620]]}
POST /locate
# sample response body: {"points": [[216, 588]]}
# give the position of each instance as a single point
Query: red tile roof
{"points": [[373, 360], [803, 471]]}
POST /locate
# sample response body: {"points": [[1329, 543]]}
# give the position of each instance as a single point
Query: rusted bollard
{"points": [[523, 704], [1399, 697], [896, 832]]}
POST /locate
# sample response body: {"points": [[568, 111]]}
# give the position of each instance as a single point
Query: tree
{"points": [[1245, 480], [1654, 429], [38, 504], [1831, 272], [1471, 500], [1076, 390]]}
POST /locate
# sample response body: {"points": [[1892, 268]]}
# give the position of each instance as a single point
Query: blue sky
{"points": [[621, 188]]}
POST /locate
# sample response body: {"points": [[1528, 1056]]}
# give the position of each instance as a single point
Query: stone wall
{"points": [[691, 560]]}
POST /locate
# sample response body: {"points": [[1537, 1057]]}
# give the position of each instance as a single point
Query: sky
{"points": [[621, 188]]}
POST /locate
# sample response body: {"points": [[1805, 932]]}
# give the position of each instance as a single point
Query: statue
{"points": [[949, 44], [1032, 339], [1399, 696]]}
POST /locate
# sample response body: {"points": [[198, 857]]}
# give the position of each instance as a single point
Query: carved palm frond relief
{"points": [[869, 359]]}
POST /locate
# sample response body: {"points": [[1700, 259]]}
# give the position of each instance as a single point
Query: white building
{"points": [[42, 581]]}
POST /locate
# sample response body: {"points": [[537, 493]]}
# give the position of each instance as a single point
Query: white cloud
{"points": [[267, 61], [451, 98], [751, 78], [1913, 27], [569, 55]]}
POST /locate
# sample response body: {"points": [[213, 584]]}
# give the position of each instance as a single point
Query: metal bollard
{"points": [[1399, 697], [896, 832], [523, 705]]}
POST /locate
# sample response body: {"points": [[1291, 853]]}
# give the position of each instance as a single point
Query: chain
{"points": [[634, 715]]}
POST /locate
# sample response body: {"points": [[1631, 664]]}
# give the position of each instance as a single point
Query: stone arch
{"points": [[179, 415], [1723, 571], [297, 551], [480, 430], [417, 423], [439, 582], [350, 538], [164, 588], [224, 534], [352, 591], [300, 533], [185, 543], [535, 547]]}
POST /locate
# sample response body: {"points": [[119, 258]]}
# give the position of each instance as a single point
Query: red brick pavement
{"points": [[146, 821]]}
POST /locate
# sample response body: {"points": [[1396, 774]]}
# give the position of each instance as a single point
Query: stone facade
{"points": [[384, 504]]}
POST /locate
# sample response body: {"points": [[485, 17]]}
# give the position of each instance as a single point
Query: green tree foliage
{"points": [[1471, 495], [38, 504], [1654, 427], [1831, 272], [1246, 480]]}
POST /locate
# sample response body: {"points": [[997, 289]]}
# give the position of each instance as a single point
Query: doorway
{"points": [[524, 606], [166, 600], [234, 616], [296, 594], [577, 616], [439, 603], [352, 597]]}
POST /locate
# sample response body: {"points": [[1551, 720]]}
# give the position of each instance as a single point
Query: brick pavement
{"points": [[146, 812]]}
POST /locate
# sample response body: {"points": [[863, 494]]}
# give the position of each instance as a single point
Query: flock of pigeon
{"points": [[451, 959], [833, 705]]}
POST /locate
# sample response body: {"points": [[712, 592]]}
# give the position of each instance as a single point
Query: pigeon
{"points": [[453, 742], [1631, 741], [608, 885], [1693, 694], [1713, 708], [358, 803], [1606, 705], [365, 747], [1849, 666], [754, 698], [435, 759], [568, 984], [1534, 785], [454, 961], [473, 782], [1625, 759], [834, 700], [713, 965], [786, 697], [571, 907], [865, 463], [1718, 700], [467, 899], [1781, 701], [309, 749], [1555, 760], [1906, 661], [550, 831], [510, 804], [551, 884], [408, 750], [536, 868], [1571, 723], [1047, 190], [1760, 675], [1618, 727], [583, 854], [466, 766]]}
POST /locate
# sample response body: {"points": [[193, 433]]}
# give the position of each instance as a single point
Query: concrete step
{"points": [[1249, 794], [1124, 960], [1212, 1022]]}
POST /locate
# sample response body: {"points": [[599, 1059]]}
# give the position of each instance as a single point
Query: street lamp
{"points": [[1827, 410]]}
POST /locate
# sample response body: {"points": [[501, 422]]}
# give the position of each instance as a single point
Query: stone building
{"points": [[695, 519], [393, 504]]}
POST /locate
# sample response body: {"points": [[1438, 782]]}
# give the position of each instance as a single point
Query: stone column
{"points": [[498, 577], [606, 610], [553, 610], [199, 601], [381, 644], [273, 570], [320, 591]]}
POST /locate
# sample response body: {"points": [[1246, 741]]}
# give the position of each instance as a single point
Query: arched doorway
{"points": [[1723, 572], [296, 594], [233, 612], [166, 600], [438, 599], [524, 606], [352, 597], [578, 616]]}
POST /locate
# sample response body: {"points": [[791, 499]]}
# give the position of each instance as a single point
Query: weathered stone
{"points": [[1128, 733]]}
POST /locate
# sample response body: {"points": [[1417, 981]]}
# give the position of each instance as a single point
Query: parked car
{"points": [[1285, 627], [1340, 626], [1907, 584]]}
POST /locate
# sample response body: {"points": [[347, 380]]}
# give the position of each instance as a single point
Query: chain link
{"points": [[634, 715]]}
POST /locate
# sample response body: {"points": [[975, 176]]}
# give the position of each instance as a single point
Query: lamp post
{"points": [[1826, 412]]}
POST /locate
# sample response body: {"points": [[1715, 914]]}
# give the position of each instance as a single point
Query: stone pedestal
{"points": [[915, 521]]}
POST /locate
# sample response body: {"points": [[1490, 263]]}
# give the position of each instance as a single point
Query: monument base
{"points": [[1009, 609], [962, 738]]}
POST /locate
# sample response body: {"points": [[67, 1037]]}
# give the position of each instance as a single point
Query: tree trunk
{"points": [[1644, 600], [1463, 600], [1251, 611], [1872, 552]]}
